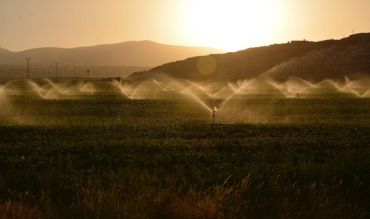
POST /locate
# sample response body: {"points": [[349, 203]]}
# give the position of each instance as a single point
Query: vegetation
{"points": [[113, 158], [316, 61]]}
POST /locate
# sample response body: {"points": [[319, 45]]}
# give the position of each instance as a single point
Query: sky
{"points": [[224, 24]]}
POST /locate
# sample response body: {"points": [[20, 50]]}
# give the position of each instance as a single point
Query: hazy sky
{"points": [[225, 24]]}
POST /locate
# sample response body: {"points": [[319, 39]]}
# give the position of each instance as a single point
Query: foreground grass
{"points": [[162, 166], [186, 171]]}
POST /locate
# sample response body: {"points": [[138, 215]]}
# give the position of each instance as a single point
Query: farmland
{"points": [[111, 157]]}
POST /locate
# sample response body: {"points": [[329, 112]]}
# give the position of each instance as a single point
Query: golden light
{"points": [[232, 24]]}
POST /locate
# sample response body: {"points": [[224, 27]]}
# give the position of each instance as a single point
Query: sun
{"points": [[232, 24]]}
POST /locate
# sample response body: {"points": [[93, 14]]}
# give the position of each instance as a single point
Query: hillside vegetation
{"points": [[308, 60]]}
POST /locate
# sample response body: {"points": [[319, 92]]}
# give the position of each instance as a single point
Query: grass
{"points": [[115, 158]]}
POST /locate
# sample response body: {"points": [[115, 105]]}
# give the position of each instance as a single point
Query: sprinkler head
{"points": [[214, 114]]}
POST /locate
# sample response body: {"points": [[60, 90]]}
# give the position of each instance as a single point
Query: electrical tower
{"points": [[56, 70], [28, 67], [75, 72]]}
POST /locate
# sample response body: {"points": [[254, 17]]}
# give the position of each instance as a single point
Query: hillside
{"points": [[111, 60], [134, 53], [3, 51], [305, 59]]}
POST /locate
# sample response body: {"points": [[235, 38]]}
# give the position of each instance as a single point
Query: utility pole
{"points": [[28, 67], [75, 72], [56, 70], [88, 73]]}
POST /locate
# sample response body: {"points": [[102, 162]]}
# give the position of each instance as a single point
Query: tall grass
{"points": [[246, 199]]}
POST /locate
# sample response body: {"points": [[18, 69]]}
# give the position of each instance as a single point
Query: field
{"points": [[112, 157]]}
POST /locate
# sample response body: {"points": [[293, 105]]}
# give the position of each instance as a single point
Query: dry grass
{"points": [[216, 202], [18, 210], [247, 199], [242, 200]]}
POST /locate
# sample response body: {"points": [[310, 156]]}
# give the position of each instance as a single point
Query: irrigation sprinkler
{"points": [[214, 110]]}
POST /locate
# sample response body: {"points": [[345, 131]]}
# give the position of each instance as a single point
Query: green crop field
{"points": [[110, 157]]}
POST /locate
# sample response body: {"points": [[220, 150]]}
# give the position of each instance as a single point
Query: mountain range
{"points": [[105, 60], [336, 59], [132, 53]]}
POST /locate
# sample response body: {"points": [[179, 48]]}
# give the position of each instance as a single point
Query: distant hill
{"points": [[108, 60], [133, 53], [309, 60], [3, 51]]}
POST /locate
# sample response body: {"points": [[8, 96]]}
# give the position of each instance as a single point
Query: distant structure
{"points": [[298, 41], [75, 72], [28, 67], [88, 73], [56, 70]]}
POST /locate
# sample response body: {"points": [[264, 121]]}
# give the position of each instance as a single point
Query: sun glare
{"points": [[232, 24]]}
